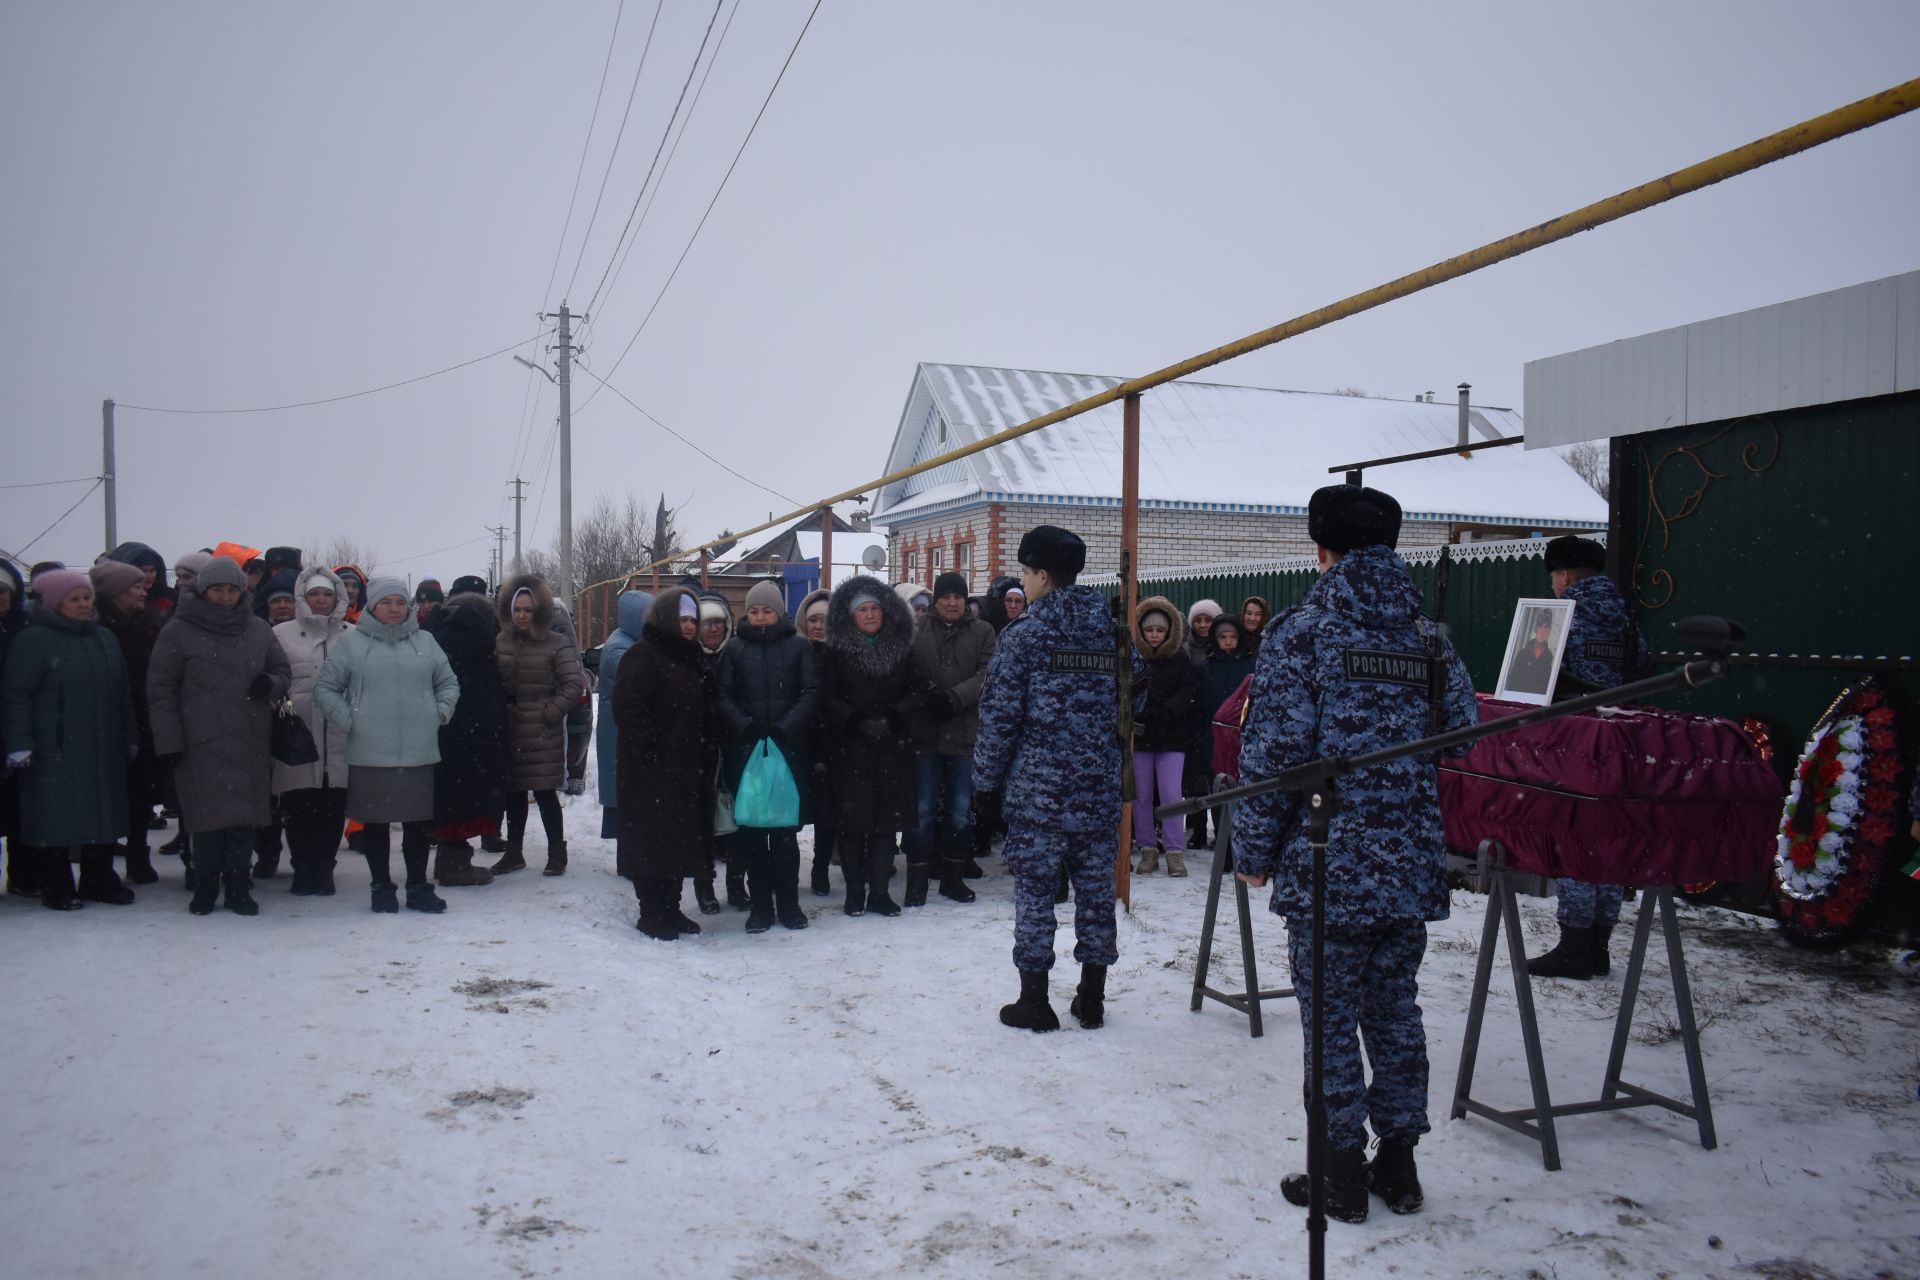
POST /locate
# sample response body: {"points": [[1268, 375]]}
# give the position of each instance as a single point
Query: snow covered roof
{"points": [[1212, 447]]}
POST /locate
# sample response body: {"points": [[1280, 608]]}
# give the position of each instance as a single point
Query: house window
{"points": [[913, 565], [963, 563], [937, 560]]}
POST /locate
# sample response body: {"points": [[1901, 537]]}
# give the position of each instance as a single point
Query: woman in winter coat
{"points": [[1255, 613], [1228, 664], [23, 872], [813, 625], [767, 692], [216, 673], [540, 673], [70, 730], [1162, 731], [1200, 616], [389, 686], [666, 755], [185, 569], [313, 797], [356, 584], [631, 610], [153, 570], [470, 782], [716, 631], [120, 601], [870, 690]]}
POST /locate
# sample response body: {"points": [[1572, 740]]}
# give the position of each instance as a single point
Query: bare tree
{"points": [[610, 540], [1350, 391], [1591, 461], [344, 550], [544, 564]]}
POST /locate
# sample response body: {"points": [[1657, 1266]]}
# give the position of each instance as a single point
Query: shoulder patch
{"points": [[1606, 651], [1085, 662], [1387, 667]]}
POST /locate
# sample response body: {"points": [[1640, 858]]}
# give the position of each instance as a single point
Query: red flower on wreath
{"points": [[1884, 769], [1803, 854], [1882, 798], [1830, 771], [1880, 717], [1880, 740], [1876, 830]]}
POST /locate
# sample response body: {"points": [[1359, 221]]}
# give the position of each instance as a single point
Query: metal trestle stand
{"points": [[1247, 999], [1616, 1094]]}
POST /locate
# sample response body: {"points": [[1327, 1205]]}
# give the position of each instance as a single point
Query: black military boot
{"points": [[556, 859], [919, 874], [56, 881], [1392, 1175], [704, 896], [1571, 957], [1602, 940], [1090, 1001], [1031, 1012], [953, 880], [98, 883], [1346, 1185], [240, 891]]}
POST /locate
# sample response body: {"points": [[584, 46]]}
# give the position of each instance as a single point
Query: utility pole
{"points": [[519, 502], [106, 473], [565, 348], [499, 532]]}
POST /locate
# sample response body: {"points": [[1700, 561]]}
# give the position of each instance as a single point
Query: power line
{"points": [[614, 154], [351, 395], [698, 91], [580, 169], [22, 552], [716, 199], [683, 440], [439, 551], [664, 135], [47, 484]]}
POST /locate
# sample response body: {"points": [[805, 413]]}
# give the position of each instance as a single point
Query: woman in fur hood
{"points": [[541, 677], [869, 689]]}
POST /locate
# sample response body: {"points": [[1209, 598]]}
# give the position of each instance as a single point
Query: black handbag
{"points": [[292, 741]]}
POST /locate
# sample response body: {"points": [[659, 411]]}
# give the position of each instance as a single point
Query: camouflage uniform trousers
{"points": [[1035, 856], [1582, 904], [1373, 975]]}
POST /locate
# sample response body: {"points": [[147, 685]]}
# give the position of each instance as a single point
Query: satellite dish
{"points": [[874, 558]]}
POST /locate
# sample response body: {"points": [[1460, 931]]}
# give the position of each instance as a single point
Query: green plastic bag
{"points": [[767, 796]]}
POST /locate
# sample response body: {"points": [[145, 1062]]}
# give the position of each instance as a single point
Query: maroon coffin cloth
{"points": [[1623, 795]]}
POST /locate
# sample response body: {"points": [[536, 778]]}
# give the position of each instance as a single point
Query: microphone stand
{"points": [[1315, 781]]}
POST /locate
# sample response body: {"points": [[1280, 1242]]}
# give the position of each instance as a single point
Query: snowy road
{"points": [[526, 1087]]}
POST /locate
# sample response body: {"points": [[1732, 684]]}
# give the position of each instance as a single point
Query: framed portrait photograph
{"points": [[1535, 646]]}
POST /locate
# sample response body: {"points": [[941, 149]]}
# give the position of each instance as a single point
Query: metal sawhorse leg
{"points": [[1248, 1000], [1537, 1121]]}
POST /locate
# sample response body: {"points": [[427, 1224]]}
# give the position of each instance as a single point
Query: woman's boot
{"points": [[512, 860], [25, 874], [98, 883], [556, 859], [879, 871], [759, 887], [453, 866], [56, 880], [703, 896], [786, 891], [918, 876], [953, 880]]}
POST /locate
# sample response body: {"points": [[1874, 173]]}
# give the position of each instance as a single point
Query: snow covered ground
{"points": [[526, 1086]]}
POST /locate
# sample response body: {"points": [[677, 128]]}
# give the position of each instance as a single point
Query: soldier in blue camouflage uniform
{"points": [[1048, 756], [1603, 649], [1348, 671]]}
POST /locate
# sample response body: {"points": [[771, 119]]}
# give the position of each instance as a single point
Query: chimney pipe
{"points": [[1464, 388]]}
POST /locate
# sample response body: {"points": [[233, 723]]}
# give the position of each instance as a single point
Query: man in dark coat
{"points": [[1050, 744], [1344, 673], [663, 700], [469, 782], [869, 690], [951, 651]]}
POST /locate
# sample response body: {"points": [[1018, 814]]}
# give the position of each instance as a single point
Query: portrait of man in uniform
{"points": [[1534, 649]]}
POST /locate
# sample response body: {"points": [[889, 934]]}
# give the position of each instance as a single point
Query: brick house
{"points": [[1225, 472]]}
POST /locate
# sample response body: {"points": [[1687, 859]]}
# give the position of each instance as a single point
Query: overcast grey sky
{"points": [[214, 205]]}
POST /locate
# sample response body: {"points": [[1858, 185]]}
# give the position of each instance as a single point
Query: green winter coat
{"points": [[66, 700], [390, 686]]}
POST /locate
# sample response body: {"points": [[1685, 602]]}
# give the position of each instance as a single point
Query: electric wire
{"points": [[665, 133], [47, 484], [351, 395], [674, 150], [21, 554], [581, 168], [683, 440], [614, 154], [761, 114], [440, 551]]}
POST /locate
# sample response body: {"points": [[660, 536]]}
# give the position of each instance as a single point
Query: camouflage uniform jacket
{"points": [[1050, 717], [1341, 674], [1597, 641]]}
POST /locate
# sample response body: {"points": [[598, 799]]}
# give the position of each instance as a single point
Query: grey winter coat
{"points": [[67, 702], [204, 661], [633, 606], [389, 685], [953, 656], [540, 673], [307, 641]]}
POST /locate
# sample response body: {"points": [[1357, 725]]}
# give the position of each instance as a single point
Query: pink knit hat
{"points": [[55, 585]]}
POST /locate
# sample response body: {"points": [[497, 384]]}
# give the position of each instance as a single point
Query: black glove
{"points": [[986, 810], [874, 730], [260, 686], [942, 704], [759, 729]]}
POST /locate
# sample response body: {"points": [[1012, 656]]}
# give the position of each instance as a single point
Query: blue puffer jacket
{"points": [[632, 607], [390, 686]]}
